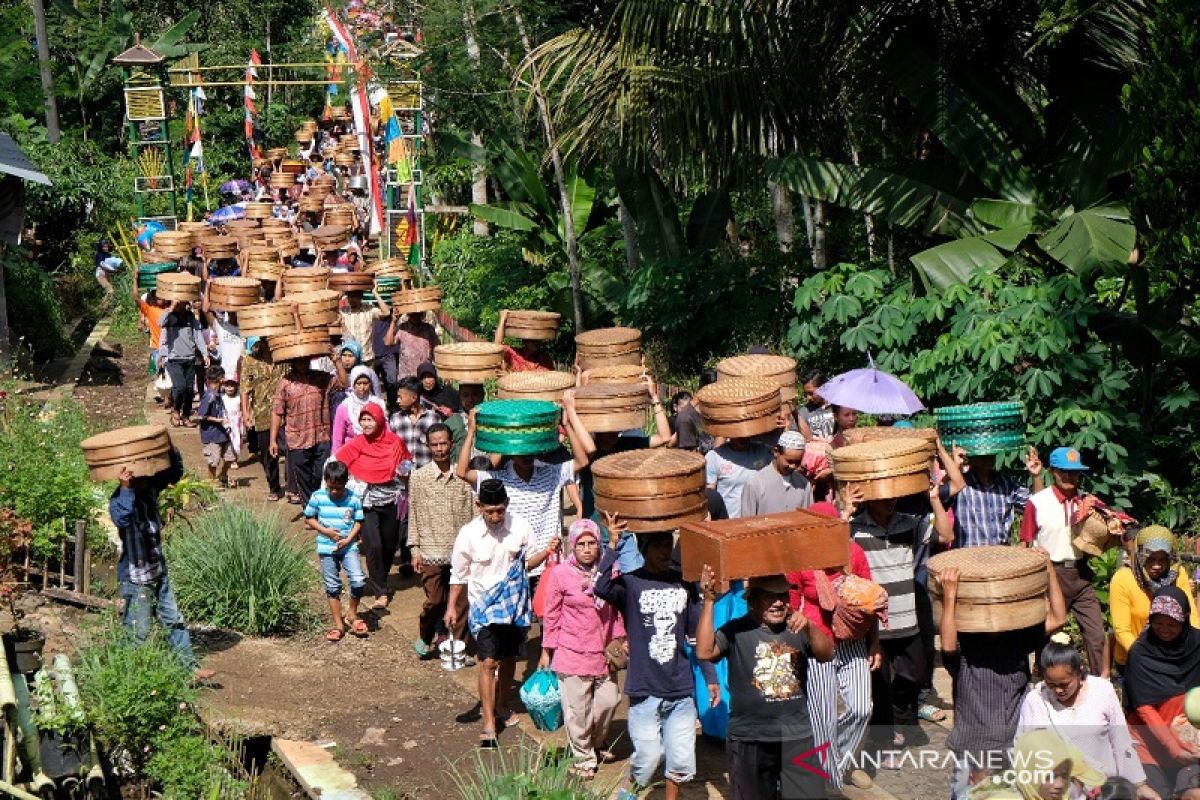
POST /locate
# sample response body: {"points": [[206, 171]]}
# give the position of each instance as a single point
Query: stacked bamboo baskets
{"points": [[351, 282], [885, 468], [232, 294], [608, 346], [317, 309], [780, 369], [178, 287], [1000, 588], [268, 319], [306, 344], [144, 450], [536, 385], [612, 407], [620, 373], [414, 301], [304, 279], [739, 407], [173, 244], [652, 490], [468, 362], [532, 325]]}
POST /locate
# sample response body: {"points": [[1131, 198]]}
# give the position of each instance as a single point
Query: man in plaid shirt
{"points": [[986, 507], [485, 564], [412, 421]]}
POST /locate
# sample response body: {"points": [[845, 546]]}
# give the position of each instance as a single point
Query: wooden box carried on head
{"points": [[772, 544]]}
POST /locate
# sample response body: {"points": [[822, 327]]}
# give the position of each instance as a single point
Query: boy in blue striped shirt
{"points": [[336, 514]]}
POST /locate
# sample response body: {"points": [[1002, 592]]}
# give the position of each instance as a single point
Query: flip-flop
{"points": [[487, 740], [334, 635], [507, 721], [358, 628]]}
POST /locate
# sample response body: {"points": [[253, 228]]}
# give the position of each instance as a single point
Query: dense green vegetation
{"points": [[953, 188]]}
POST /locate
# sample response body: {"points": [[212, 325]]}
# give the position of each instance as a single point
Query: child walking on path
{"points": [[235, 423], [336, 514], [214, 428]]}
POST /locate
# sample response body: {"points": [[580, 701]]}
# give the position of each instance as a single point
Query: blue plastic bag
{"points": [[540, 695]]}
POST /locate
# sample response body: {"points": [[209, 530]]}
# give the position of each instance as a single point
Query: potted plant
{"points": [[22, 646], [62, 729]]}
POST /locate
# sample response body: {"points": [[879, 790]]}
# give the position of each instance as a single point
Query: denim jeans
{"points": [[143, 600], [658, 727], [331, 566]]}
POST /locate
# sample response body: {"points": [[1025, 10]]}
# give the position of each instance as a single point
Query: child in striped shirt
{"points": [[335, 513]]}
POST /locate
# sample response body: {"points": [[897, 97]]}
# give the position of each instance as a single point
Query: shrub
{"points": [[187, 765], [133, 692], [531, 772], [238, 569], [43, 476]]}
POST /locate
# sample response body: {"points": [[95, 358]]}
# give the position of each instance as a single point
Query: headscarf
{"points": [[374, 459], [1154, 539], [353, 347], [1033, 749], [580, 528], [354, 405], [1156, 670], [100, 254]]}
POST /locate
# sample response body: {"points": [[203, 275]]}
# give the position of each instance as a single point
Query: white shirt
{"points": [[481, 558], [539, 501]]}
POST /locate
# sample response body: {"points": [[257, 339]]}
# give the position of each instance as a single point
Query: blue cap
{"points": [[1067, 458], [903, 423]]}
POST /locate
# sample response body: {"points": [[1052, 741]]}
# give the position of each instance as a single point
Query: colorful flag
{"points": [[249, 97]]}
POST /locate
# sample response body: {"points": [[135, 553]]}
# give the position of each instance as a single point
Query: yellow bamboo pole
{"points": [[182, 70], [257, 82]]}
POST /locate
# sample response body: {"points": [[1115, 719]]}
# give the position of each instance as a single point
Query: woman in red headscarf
{"points": [[379, 465]]}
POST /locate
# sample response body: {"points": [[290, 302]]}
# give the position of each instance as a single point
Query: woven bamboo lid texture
{"points": [[738, 398], [882, 432], [177, 286], [756, 366], [545, 384], [659, 462], [324, 298], [615, 373], [134, 441], [988, 563], [881, 459], [351, 281], [605, 396], [487, 350], [983, 428], [616, 338]]}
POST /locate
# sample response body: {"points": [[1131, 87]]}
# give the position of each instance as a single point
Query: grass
{"points": [[526, 771], [238, 569]]}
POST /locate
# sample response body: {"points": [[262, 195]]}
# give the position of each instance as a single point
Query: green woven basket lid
{"points": [[387, 283], [517, 414], [517, 427], [982, 428], [154, 269]]}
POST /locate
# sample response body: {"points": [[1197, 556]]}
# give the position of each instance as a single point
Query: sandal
{"points": [[931, 713], [358, 627], [583, 773], [334, 635], [274, 498], [487, 740], [507, 721], [898, 739], [293, 498]]}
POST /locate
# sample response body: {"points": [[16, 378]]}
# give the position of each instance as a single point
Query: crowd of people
{"points": [[379, 454]]}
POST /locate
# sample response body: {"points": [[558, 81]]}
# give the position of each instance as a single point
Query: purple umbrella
{"points": [[228, 214], [871, 392], [236, 187]]}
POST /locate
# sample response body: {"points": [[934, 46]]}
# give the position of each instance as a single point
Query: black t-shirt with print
{"points": [[767, 673]]}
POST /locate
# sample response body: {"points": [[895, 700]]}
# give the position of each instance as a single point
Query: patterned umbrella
{"points": [[228, 214]]}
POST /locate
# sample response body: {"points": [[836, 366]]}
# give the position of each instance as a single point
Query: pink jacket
{"points": [[573, 627]]}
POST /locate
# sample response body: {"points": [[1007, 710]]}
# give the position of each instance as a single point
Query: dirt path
{"points": [[386, 715]]}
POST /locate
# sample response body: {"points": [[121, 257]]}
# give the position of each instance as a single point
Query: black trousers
{"points": [[380, 537], [306, 466], [896, 686], [270, 464], [183, 385], [758, 771]]}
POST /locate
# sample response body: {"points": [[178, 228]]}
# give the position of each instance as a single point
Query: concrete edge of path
{"points": [[315, 769]]}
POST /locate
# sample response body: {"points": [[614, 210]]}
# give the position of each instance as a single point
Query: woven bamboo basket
{"points": [[310, 125], [259, 211], [622, 373], [1093, 535], [281, 180], [304, 242], [235, 226], [536, 385], [267, 319], [303, 135], [260, 163], [983, 428], [739, 407], [231, 294], [144, 449], [345, 158], [468, 362], [262, 262], [311, 204], [288, 247], [308, 344], [612, 407], [533, 325], [1000, 588], [173, 244], [608, 346], [351, 282], [331, 237], [391, 266], [517, 427], [340, 216], [884, 469], [652, 490], [319, 192], [277, 153], [147, 275], [413, 301], [780, 369], [220, 247], [275, 224], [177, 286], [196, 230], [881, 433], [304, 279], [316, 309], [292, 166]]}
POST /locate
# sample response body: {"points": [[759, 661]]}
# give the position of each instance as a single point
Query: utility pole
{"points": [[43, 46]]}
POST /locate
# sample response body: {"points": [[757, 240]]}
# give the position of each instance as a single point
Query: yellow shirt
{"points": [[1130, 608]]}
